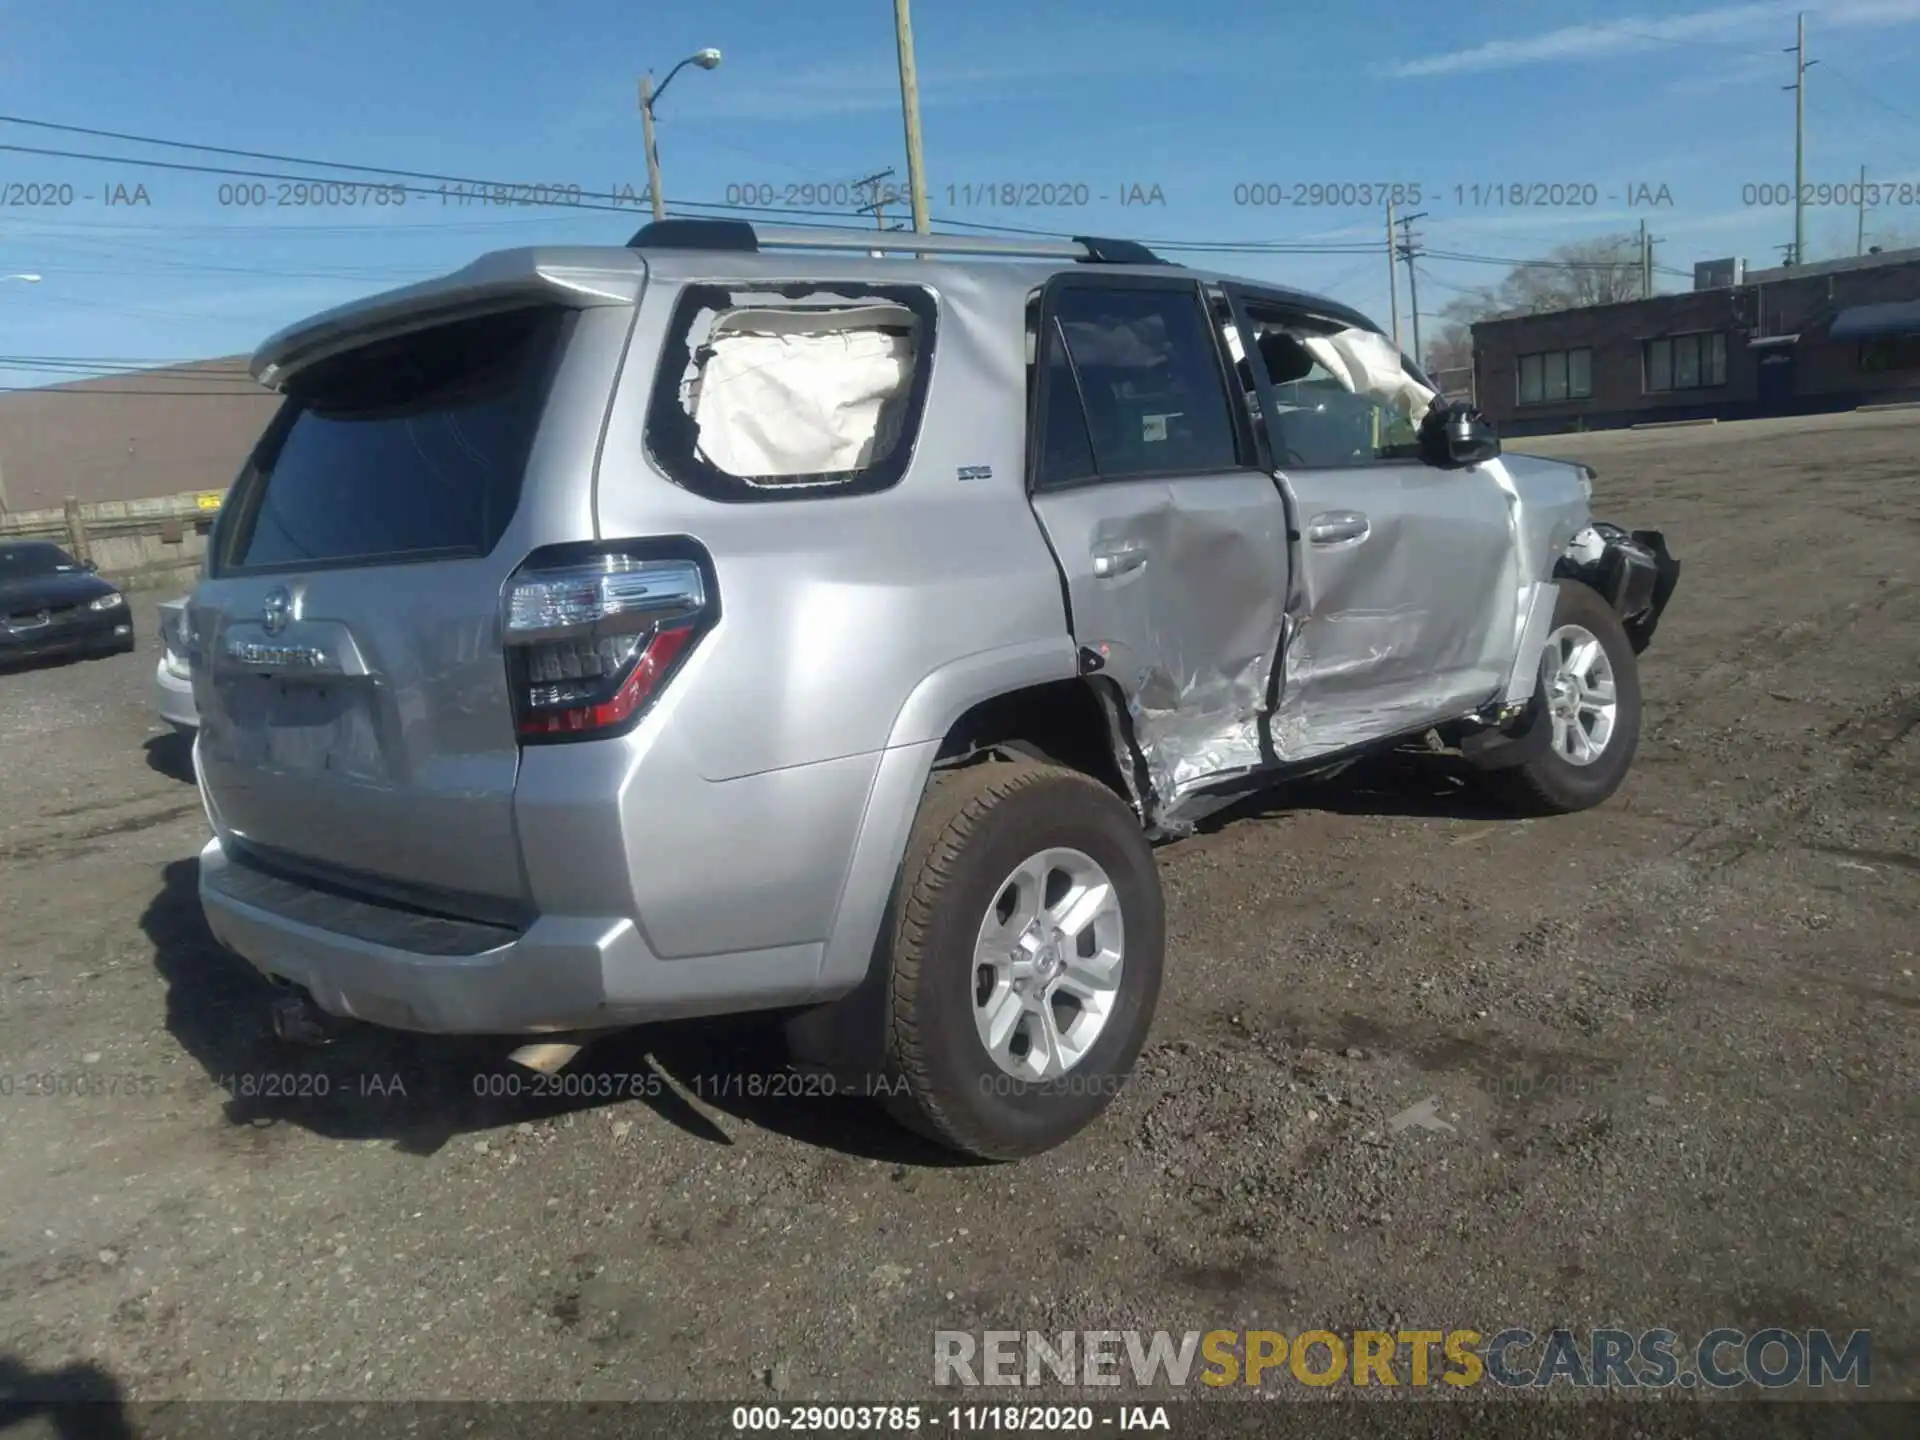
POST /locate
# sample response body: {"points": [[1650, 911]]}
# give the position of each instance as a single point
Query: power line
{"points": [[103, 393], [466, 182], [168, 373], [1511, 262], [1247, 247], [1844, 78]]}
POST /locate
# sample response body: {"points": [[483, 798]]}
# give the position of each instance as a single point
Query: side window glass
{"points": [[1149, 376], [1341, 397], [1066, 453]]}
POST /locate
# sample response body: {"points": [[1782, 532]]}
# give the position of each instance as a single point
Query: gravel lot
{"points": [[1675, 1039]]}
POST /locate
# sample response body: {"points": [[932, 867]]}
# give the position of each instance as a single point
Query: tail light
{"points": [[593, 633], [174, 647]]}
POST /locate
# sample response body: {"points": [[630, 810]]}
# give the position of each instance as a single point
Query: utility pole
{"points": [[1799, 87], [1646, 263], [1407, 252], [877, 206], [653, 155], [1393, 278], [1860, 234], [910, 107]]}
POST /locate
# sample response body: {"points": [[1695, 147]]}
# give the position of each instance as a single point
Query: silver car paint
{"points": [[405, 772], [737, 849], [1188, 623], [172, 693]]}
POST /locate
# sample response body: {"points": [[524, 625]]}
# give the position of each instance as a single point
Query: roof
{"points": [[614, 275], [1833, 267]]}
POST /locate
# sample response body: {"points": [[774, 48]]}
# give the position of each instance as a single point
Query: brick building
{"points": [[130, 436], [1793, 340]]}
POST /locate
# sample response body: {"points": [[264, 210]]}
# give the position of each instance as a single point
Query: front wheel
{"points": [[1588, 699], [1025, 961]]}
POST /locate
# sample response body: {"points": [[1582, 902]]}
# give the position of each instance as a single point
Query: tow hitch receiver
{"points": [[298, 1021]]}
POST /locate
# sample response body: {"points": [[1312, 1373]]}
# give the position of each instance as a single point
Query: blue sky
{"points": [[1195, 99]]}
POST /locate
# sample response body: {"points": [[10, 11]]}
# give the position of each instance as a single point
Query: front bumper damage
{"points": [[1636, 574], [1632, 569]]}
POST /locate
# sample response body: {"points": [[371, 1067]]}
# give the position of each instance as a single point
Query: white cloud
{"points": [[1726, 24]]}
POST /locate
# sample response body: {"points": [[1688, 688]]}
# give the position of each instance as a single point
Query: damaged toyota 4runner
{"points": [[739, 620]]}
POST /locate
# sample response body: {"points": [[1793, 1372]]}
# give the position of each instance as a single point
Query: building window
{"points": [[1890, 352], [1686, 362], [1556, 375]]}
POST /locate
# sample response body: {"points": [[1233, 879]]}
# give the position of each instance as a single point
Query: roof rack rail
{"points": [[742, 235], [1118, 252]]}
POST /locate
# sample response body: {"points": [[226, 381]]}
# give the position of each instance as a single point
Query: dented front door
{"points": [[1171, 540], [1406, 581]]}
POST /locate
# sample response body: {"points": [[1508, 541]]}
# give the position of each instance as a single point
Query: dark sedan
{"points": [[51, 604]]}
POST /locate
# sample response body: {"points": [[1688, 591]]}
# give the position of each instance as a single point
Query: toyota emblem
{"points": [[277, 610]]}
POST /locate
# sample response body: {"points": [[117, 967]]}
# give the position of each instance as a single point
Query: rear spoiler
{"points": [[503, 280]]}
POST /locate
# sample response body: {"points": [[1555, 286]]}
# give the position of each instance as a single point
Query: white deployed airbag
{"points": [[786, 395], [1365, 363]]}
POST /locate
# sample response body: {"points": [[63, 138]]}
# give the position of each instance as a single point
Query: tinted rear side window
{"points": [[1150, 377], [410, 448]]}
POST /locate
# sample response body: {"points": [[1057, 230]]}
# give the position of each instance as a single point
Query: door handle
{"points": [[1119, 559], [1336, 527]]}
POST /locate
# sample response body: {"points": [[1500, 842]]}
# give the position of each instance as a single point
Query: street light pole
{"points": [[653, 153], [707, 60]]}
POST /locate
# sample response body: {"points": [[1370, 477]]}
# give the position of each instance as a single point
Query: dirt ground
{"points": [[1674, 1038]]}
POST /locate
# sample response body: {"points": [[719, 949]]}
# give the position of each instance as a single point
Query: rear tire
{"points": [[958, 972], [1588, 695]]}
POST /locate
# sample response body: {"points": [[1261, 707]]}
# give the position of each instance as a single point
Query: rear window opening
{"points": [[804, 391], [408, 448]]}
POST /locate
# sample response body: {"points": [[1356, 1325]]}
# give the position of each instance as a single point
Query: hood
{"points": [[61, 588]]}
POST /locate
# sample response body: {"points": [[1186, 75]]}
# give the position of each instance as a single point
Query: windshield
{"points": [[20, 562]]}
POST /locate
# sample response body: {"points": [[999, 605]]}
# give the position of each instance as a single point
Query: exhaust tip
{"points": [[547, 1057]]}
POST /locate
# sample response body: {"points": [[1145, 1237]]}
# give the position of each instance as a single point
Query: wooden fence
{"points": [[136, 543]]}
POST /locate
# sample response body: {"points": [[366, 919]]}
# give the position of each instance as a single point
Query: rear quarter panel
{"points": [[849, 624]]}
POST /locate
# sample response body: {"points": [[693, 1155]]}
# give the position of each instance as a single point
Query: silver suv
{"points": [[743, 620]]}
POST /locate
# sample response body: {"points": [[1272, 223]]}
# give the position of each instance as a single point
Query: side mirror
{"points": [[1470, 439], [1457, 435], [93, 567]]}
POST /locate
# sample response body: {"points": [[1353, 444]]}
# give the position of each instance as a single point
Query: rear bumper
{"points": [[560, 973], [173, 697]]}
